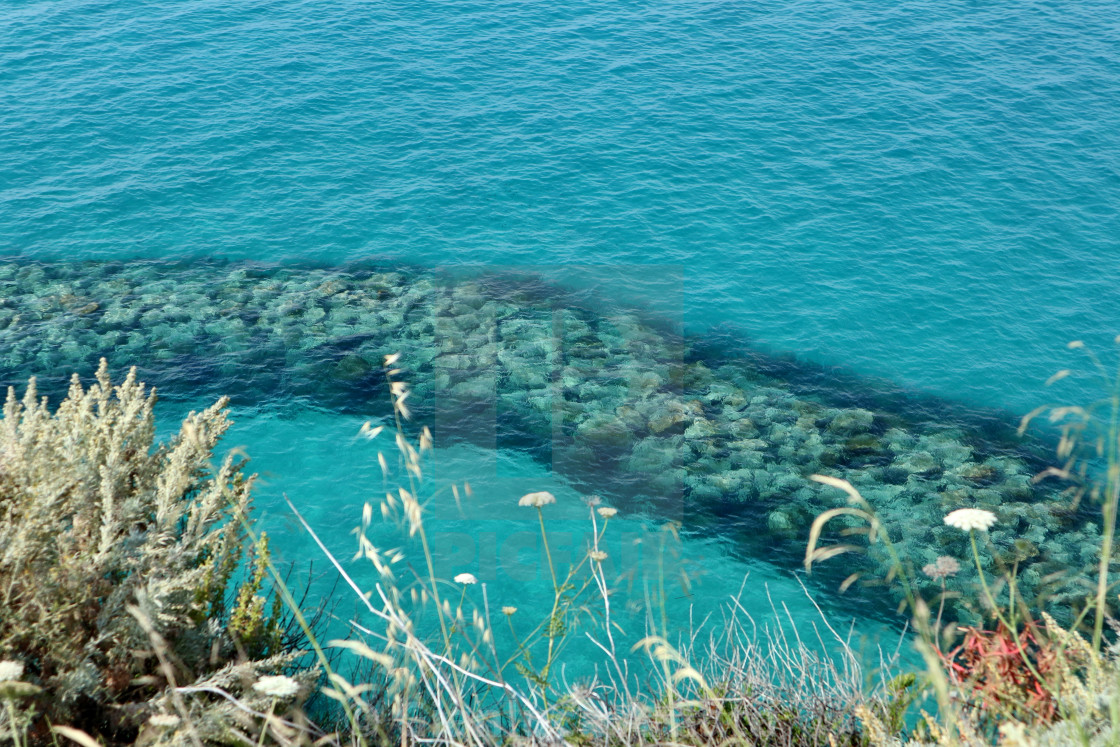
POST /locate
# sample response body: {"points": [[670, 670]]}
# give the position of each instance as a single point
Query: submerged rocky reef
{"points": [[625, 406]]}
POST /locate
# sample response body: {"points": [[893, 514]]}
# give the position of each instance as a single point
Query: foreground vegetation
{"points": [[141, 606]]}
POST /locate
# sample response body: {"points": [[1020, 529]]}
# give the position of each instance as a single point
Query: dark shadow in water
{"points": [[266, 373], [993, 431]]}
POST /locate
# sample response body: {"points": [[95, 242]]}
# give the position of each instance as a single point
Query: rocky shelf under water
{"points": [[614, 401]]}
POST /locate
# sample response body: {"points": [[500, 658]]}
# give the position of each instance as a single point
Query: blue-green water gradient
{"points": [[920, 191]]}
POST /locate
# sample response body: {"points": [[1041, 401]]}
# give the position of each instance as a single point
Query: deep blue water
{"points": [[920, 190], [923, 192]]}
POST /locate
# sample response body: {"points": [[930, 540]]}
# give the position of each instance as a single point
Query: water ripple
{"points": [[923, 190]]}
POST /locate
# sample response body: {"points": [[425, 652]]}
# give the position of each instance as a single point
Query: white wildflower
{"points": [[276, 686], [507, 611], [607, 512], [967, 519], [466, 578], [536, 500], [597, 555], [10, 670]]}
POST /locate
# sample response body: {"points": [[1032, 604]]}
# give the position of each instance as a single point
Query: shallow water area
{"points": [[921, 192], [725, 441], [318, 460], [669, 426], [915, 202]]}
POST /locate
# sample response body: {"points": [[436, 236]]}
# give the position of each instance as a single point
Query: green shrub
{"points": [[117, 558]]}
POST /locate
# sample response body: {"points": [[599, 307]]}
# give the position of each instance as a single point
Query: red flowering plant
{"points": [[1012, 673], [1005, 673]]}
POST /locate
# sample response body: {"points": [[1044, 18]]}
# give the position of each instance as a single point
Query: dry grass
{"points": [[434, 665], [136, 610]]}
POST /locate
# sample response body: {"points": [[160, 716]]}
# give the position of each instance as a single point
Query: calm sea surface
{"points": [[923, 193]]}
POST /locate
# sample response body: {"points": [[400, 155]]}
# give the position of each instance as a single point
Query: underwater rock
{"points": [[353, 368], [603, 430], [479, 389], [917, 462], [898, 440], [779, 523], [747, 453], [653, 454], [864, 443], [851, 422], [700, 429], [742, 427], [1016, 488], [948, 451], [731, 482], [592, 388], [978, 474], [674, 418]]}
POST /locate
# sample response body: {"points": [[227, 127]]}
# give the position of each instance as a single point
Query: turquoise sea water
{"points": [[921, 193]]}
